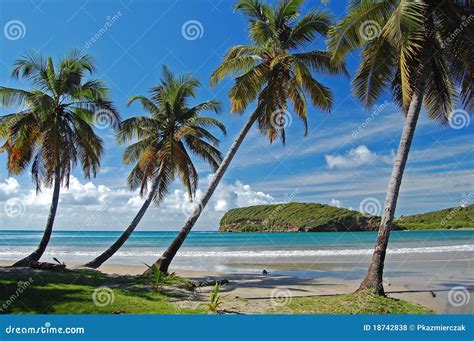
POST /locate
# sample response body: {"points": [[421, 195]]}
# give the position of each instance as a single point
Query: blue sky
{"points": [[345, 160]]}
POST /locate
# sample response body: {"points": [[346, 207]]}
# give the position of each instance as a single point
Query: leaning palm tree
{"points": [[53, 130], [422, 52], [164, 143], [271, 72]]}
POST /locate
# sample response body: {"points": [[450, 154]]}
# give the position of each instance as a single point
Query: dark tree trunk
{"points": [[36, 255], [123, 238], [165, 260], [374, 278]]}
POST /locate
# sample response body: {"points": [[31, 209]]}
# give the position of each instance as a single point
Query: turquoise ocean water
{"points": [[218, 251]]}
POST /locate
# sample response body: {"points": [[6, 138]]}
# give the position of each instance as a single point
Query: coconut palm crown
{"points": [[402, 40], [166, 139], [272, 70]]}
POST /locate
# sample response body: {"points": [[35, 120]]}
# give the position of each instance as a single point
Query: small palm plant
{"points": [[53, 131], [163, 144], [215, 300], [160, 279]]}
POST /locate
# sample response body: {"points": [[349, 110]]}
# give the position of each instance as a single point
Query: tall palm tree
{"points": [[164, 143], [272, 72], [53, 131], [410, 48]]}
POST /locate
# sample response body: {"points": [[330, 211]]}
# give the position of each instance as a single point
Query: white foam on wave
{"points": [[252, 253]]}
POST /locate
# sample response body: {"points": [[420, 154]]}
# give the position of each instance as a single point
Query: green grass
{"points": [[72, 292], [361, 303]]}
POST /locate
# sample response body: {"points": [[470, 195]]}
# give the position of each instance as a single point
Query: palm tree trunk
{"points": [[36, 255], [165, 260], [123, 238], [374, 278]]}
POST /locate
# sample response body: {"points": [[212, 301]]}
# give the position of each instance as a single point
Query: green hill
{"points": [[295, 217], [313, 217], [449, 218]]}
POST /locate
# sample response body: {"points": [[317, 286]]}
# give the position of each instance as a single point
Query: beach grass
{"points": [[365, 302], [92, 292], [85, 292]]}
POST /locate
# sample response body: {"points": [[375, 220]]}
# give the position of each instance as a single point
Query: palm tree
{"points": [[410, 48], [273, 73], [53, 131], [164, 143]]}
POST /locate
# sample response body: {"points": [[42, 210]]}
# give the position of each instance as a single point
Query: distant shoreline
{"points": [[314, 217]]}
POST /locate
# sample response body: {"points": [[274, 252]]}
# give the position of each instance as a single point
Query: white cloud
{"points": [[335, 203], [239, 195], [225, 197], [9, 186], [77, 194], [356, 157], [221, 206]]}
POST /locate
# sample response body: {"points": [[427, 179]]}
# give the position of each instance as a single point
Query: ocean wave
{"points": [[251, 253]]}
